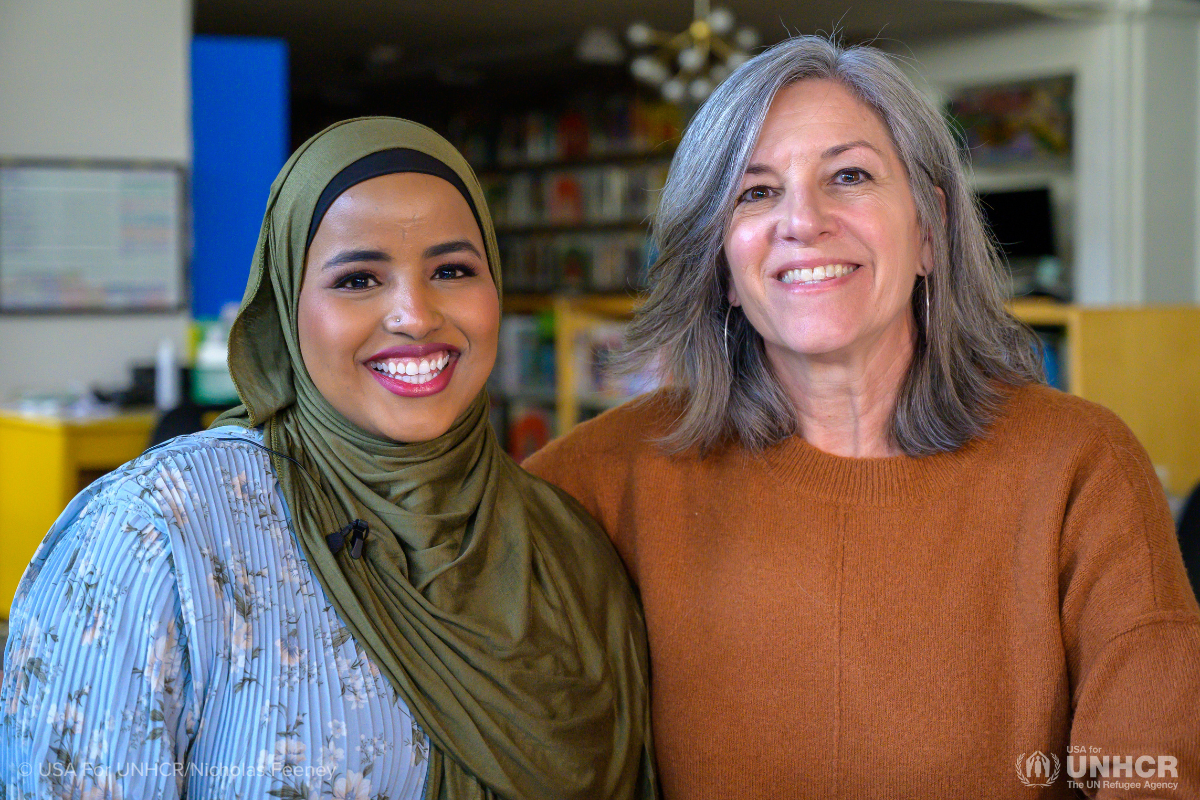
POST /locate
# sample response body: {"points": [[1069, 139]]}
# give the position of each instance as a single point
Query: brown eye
{"points": [[850, 177], [755, 193], [356, 281], [449, 272]]}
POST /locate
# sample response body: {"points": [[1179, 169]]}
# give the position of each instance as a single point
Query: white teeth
{"points": [[816, 274], [414, 371]]}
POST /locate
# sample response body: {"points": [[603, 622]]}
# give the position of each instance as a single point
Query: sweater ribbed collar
{"points": [[888, 481]]}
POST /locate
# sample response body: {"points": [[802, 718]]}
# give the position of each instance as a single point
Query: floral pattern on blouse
{"points": [[168, 640]]}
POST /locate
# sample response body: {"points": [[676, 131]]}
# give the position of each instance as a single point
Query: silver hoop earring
{"points": [[927, 308], [725, 339]]}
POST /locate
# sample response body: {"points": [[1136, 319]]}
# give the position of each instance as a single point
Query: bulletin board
{"points": [[92, 236]]}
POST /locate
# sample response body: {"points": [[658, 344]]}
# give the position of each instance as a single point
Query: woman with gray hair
{"points": [[878, 557]]}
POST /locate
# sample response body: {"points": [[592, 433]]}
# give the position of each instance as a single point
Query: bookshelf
{"points": [[575, 318], [577, 226], [1141, 362], [571, 191]]}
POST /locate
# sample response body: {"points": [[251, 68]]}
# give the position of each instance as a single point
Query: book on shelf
{"points": [[1053, 356], [522, 427], [614, 193], [597, 383], [522, 383], [600, 261], [525, 356], [564, 196], [530, 428], [593, 127]]}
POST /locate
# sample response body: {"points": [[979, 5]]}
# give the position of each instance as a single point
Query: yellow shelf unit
{"points": [[1144, 364], [1141, 362], [44, 462], [574, 315]]}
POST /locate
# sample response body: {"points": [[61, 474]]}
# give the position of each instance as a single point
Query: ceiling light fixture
{"points": [[689, 65]]}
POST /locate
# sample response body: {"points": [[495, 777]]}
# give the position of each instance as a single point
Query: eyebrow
{"points": [[838, 149], [433, 251], [355, 257], [832, 152], [456, 246]]}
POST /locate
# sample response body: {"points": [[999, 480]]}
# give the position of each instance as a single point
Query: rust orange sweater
{"points": [[904, 628]]}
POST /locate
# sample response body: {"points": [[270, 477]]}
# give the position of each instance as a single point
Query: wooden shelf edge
{"points": [[621, 305], [526, 303], [1042, 312], [607, 305]]}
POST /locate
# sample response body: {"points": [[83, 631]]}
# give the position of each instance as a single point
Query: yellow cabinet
{"points": [[44, 462], [1144, 364]]}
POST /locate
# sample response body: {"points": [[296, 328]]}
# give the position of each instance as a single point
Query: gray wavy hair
{"points": [[972, 346]]}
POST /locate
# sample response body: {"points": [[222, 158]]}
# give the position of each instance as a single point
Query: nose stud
{"points": [[416, 320]]}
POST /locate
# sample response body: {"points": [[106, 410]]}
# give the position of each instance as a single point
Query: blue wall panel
{"points": [[240, 140]]}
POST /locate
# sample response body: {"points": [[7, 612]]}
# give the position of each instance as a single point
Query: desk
{"points": [[44, 462]]}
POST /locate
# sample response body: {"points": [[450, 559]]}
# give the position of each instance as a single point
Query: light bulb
{"points": [[639, 34], [691, 59], [700, 88], [746, 38], [736, 59], [720, 20], [648, 69], [599, 46], [674, 90]]}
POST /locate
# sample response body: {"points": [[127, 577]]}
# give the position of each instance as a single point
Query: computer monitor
{"points": [[1022, 222]]}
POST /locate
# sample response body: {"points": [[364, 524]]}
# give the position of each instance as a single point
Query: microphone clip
{"points": [[354, 534]]}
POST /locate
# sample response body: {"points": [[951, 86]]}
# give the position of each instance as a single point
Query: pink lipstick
{"points": [[414, 370]]}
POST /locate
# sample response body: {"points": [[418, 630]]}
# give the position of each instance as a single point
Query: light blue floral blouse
{"points": [[169, 640]]}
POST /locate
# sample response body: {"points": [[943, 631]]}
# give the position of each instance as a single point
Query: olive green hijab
{"points": [[496, 607]]}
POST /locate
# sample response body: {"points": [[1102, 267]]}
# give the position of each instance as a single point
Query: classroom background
{"points": [[138, 141]]}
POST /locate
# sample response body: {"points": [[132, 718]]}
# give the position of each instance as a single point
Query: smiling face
{"points": [[398, 314], [824, 246]]}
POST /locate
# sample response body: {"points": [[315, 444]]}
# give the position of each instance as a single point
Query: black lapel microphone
{"points": [[354, 534]]}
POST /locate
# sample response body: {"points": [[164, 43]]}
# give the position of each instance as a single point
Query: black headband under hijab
{"points": [[386, 162]]}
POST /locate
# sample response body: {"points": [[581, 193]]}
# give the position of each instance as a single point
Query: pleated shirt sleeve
{"points": [[97, 694]]}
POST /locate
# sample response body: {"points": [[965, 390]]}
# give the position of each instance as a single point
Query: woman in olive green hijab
{"points": [[492, 603], [470, 632]]}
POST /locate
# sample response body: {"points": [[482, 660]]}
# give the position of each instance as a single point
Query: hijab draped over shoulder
{"points": [[495, 606]]}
